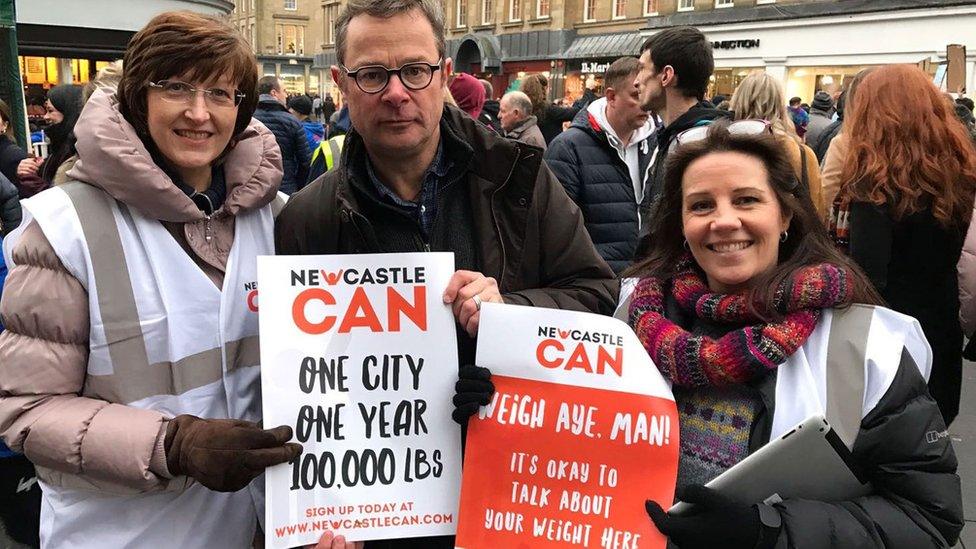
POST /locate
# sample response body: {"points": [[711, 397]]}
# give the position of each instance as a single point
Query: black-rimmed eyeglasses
{"points": [[375, 78]]}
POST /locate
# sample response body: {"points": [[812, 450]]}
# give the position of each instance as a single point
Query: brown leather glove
{"points": [[225, 454]]}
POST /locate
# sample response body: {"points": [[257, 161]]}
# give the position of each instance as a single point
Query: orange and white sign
{"points": [[581, 431], [359, 356]]}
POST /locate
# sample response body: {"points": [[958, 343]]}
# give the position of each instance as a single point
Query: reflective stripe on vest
{"points": [[334, 150], [126, 363]]}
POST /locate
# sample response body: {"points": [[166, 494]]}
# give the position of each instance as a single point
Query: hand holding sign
{"points": [[466, 291], [331, 541]]}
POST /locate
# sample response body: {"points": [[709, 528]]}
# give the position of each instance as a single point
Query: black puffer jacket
{"points": [[10, 156], [10, 212], [902, 446], [290, 135], [598, 180]]}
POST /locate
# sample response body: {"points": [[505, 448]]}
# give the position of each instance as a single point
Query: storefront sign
{"points": [[735, 44], [358, 355], [581, 431], [594, 67]]}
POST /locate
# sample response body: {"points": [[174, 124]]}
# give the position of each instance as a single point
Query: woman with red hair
{"points": [[905, 202]]}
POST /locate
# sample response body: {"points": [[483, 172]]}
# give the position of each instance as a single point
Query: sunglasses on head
{"points": [[739, 127]]}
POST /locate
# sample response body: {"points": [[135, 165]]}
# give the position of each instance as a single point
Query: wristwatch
{"points": [[770, 524]]}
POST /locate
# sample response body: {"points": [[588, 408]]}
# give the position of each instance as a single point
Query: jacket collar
{"points": [[486, 154], [524, 125], [113, 157], [267, 102], [699, 114]]}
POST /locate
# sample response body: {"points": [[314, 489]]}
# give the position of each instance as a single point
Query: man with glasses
{"points": [[675, 65], [417, 175], [288, 131]]}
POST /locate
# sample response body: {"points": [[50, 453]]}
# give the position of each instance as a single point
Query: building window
{"points": [[291, 40], [252, 5], [765, 1], [515, 10], [589, 10], [686, 5], [291, 4], [619, 9], [650, 7], [487, 12], [254, 36], [542, 9], [330, 17], [724, 3], [462, 14]]}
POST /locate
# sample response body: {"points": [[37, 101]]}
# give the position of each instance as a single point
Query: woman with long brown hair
{"points": [[550, 117], [907, 191]]}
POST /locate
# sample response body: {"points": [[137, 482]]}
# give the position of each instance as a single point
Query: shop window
{"points": [[462, 14], [589, 10], [650, 7], [686, 5], [724, 3], [619, 9], [291, 40], [291, 4], [542, 9], [515, 10], [487, 12]]}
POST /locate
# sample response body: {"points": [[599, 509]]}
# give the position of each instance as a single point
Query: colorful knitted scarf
{"points": [[742, 354]]}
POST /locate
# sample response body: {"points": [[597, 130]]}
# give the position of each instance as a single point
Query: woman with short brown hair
{"points": [[130, 367]]}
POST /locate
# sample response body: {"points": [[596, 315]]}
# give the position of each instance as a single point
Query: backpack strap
{"points": [[846, 347]]}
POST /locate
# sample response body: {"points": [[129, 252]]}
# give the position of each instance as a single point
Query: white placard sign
{"points": [[359, 357]]}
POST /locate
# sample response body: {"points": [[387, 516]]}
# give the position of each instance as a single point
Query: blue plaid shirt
{"points": [[424, 209]]}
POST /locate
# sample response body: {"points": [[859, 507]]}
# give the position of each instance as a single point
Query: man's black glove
{"points": [[473, 390], [715, 521]]}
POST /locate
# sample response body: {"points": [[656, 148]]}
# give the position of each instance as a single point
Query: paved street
{"points": [[964, 440]]}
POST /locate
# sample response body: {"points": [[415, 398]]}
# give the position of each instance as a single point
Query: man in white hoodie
{"points": [[602, 160]]}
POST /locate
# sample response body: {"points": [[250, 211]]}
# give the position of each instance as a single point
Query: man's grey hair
{"points": [[432, 10], [518, 100]]}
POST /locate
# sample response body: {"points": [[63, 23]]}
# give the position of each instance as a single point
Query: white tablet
{"points": [[808, 462]]}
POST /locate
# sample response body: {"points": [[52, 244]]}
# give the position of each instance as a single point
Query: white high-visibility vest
{"points": [[163, 337]]}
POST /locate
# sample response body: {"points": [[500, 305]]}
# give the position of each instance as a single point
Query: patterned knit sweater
{"points": [[715, 422]]}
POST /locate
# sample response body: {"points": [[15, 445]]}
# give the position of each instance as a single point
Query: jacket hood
{"points": [[316, 128], [112, 157], [593, 121], [597, 111], [269, 103]]}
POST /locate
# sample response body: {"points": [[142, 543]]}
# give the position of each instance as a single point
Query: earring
{"points": [[784, 236], [687, 247]]}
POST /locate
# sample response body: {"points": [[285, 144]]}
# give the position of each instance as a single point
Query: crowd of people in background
{"points": [[750, 215]]}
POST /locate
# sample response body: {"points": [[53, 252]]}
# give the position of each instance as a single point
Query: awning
{"points": [[604, 45]]}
